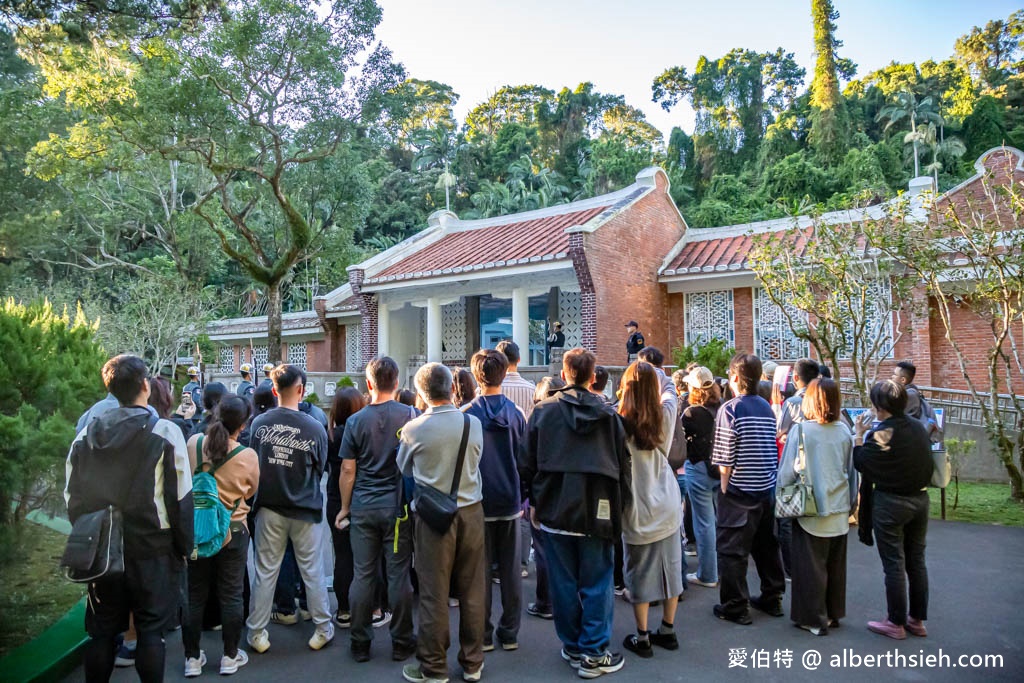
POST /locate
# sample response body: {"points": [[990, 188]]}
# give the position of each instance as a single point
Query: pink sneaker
{"points": [[888, 629], [915, 627]]}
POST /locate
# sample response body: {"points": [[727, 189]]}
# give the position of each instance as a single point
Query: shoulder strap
{"points": [[806, 473], [234, 451], [462, 456]]}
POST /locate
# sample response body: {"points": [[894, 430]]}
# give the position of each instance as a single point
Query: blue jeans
{"points": [[682, 536], [580, 572], [701, 491]]}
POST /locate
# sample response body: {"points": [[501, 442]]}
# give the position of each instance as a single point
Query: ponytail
{"points": [[230, 415]]}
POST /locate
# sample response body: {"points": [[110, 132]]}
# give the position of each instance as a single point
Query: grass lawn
{"points": [[33, 591], [980, 504]]}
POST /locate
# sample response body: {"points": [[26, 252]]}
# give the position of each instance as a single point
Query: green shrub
{"points": [[715, 356], [49, 376]]}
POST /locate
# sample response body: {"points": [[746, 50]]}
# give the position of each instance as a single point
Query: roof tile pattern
{"points": [[289, 321], [539, 239], [726, 253]]}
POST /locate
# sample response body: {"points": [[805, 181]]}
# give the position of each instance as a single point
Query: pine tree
{"points": [[829, 134]]}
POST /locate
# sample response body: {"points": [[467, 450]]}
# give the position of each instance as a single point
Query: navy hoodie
{"points": [[504, 427]]}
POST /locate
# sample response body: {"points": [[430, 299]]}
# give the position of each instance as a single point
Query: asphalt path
{"points": [[976, 609]]}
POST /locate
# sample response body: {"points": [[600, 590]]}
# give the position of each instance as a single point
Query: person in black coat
{"points": [[895, 461]]}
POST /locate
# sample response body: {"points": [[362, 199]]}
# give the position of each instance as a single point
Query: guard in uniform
{"points": [[194, 388], [635, 341], [556, 340], [267, 382], [246, 388]]}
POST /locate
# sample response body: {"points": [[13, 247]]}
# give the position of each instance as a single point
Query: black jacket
{"points": [[115, 462], [574, 466], [896, 457]]}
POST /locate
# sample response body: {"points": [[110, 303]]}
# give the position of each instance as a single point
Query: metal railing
{"points": [[959, 405]]}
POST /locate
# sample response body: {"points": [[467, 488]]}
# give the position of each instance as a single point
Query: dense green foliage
{"points": [[715, 356], [253, 155], [49, 376]]}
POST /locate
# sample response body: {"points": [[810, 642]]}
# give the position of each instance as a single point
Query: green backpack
{"points": [[211, 519]]}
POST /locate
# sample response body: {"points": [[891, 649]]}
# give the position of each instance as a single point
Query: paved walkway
{"points": [[977, 608]]}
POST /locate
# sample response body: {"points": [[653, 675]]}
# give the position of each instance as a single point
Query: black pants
{"points": [[620, 562], [501, 542], [540, 560], [746, 529], [784, 532], [226, 571], [688, 525], [149, 590], [819, 578], [901, 525]]}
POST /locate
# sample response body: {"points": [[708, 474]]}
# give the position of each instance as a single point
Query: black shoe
{"points": [[665, 640], [361, 652], [742, 619], [542, 613], [639, 647], [607, 663], [400, 653], [772, 608]]}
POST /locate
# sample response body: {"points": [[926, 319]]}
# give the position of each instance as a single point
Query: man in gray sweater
{"points": [[428, 451]]}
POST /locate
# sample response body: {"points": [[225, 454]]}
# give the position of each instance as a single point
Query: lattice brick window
{"points": [[570, 314], [709, 315], [453, 331], [353, 347], [297, 355], [878, 327], [773, 337], [259, 359], [227, 359]]}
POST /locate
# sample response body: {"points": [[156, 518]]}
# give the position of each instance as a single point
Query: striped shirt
{"points": [[519, 391], [745, 441]]}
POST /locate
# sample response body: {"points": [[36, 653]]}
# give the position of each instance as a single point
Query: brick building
{"points": [[593, 265]]}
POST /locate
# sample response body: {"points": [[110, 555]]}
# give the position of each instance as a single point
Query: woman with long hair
{"points": [[820, 449], [651, 521], [237, 471], [346, 403], [464, 387], [699, 476]]}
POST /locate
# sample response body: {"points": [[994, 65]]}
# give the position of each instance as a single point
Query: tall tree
{"points": [[906, 105], [830, 122], [994, 51]]}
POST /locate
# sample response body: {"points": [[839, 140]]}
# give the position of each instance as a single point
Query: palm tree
{"points": [[930, 136], [907, 106]]}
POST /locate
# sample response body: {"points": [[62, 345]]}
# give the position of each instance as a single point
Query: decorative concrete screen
{"points": [[453, 332], [709, 315], [353, 347], [879, 323], [773, 336], [227, 359], [297, 355], [259, 359], [570, 314]]}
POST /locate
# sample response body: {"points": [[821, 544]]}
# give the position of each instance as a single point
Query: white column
{"points": [[383, 328], [434, 328], [521, 323]]}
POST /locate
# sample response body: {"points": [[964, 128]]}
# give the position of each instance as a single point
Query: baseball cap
{"points": [[700, 378], [632, 323], [769, 368]]}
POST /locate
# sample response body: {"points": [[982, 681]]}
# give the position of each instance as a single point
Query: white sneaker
{"points": [[693, 578], [473, 677], [259, 641], [193, 666], [322, 636], [229, 665], [305, 614], [382, 619]]}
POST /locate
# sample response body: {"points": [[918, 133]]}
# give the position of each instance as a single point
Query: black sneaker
{"points": [[641, 648], [541, 613], [772, 608], [573, 658], [360, 651], [593, 667], [665, 640], [400, 653], [743, 619], [343, 619]]}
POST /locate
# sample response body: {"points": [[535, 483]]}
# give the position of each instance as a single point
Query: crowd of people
{"points": [[435, 495]]}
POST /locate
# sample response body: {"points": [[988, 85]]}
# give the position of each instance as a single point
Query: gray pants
{"points": [[372, 535], [272, 533], [501, 539]]}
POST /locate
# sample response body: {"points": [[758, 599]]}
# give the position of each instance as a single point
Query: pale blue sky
{"points": [[621, 46]]}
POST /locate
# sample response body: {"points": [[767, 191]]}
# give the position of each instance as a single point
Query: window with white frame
{"points": [[709, 315], [227, 359], [259, 357], [774, 338], [878, 327], [297, 355]]}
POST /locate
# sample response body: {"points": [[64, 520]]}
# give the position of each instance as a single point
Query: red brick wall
{"points": [[676, 321], [624, 255], [743, 318]]}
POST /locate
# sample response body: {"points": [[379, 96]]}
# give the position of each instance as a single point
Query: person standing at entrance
{"points": [[635, 341], [556, 340]]}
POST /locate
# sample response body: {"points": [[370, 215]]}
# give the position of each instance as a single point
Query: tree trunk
{"points": [[274, 322]]}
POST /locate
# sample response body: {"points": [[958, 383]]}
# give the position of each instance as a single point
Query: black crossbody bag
{"points": [[435, 508], [95, 548]]}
